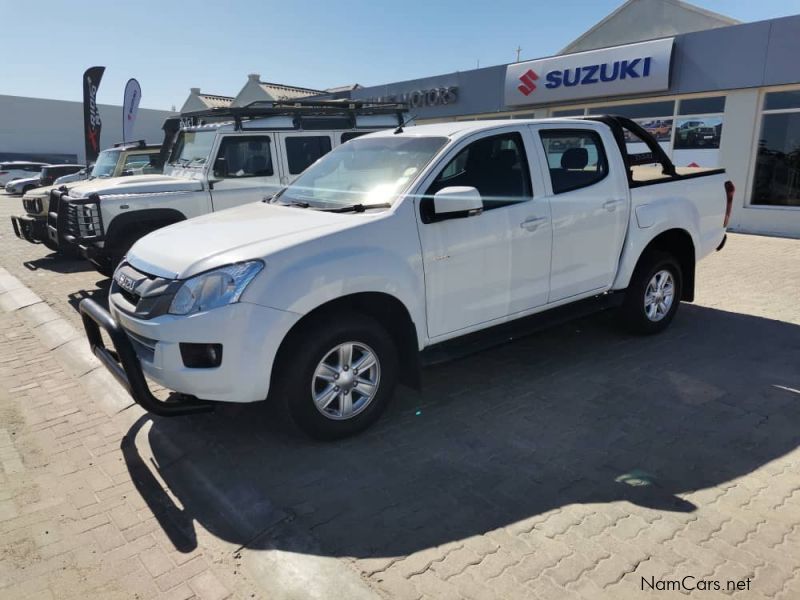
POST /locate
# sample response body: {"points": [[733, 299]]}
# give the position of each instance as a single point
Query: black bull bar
{"points": [[124, 364]]}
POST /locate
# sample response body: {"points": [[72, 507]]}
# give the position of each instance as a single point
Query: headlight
{"points": [[214, 288]]}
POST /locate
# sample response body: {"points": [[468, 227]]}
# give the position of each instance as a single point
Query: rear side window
{"points": [[244, 156], [303, 151], [575, 158], [351, 135]]}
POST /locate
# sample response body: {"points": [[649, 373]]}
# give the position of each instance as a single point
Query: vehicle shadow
{"points": [[58, 263], [575, 414], [99, 294]]}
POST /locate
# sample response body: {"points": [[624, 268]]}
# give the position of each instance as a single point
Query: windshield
{"points": [[106, 163], [362, 171], [192, 148]]}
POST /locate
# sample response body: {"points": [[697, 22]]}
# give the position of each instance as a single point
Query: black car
{"points": [[52, 172]]}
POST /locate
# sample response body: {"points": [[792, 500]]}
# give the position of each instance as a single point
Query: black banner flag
{"points": [[91, 115]]}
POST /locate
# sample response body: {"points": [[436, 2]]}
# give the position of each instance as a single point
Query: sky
{"points": [[172, 46]]}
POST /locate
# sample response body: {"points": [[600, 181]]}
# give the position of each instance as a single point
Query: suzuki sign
{"points": [[630, 69]]}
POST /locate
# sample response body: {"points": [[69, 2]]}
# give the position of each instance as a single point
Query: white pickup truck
{"points": [[211, 167], [405, 247]]}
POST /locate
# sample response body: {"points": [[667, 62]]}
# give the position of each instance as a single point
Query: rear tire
{"points": [[654, 294], [337, 375]]}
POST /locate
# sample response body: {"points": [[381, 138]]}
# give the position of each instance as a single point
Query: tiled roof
{"points": [[287, 92], [214, 101]]}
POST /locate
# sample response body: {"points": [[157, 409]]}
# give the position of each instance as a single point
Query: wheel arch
{"points": [[388, 310], [678, 243], [144, 220]]}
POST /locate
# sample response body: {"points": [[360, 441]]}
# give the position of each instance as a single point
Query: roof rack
{"points": [[299, 109], [137, 143]]}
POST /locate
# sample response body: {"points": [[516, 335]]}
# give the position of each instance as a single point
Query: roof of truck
{"points": [[455, 129]]}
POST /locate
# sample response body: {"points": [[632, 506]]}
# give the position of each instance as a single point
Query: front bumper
{"points": [[31, 229], [250, 335]]}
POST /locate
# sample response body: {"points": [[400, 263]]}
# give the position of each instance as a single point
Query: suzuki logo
{"points": [[527, 79]]}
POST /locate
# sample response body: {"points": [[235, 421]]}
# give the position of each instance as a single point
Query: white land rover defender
{"points": [[212, 167], [133, 158]]}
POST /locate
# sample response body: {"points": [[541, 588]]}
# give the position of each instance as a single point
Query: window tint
{"points": [[568, 112], [701, 106], [302, 151], [776, 180], [244, 156], [350, 135], [636, 111], [781, 100], [575, 158], [496, 166]]}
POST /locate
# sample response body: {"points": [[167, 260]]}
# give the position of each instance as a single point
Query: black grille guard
{"points": [[124, 365]]}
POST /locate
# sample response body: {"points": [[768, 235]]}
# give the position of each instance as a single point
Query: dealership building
{"points": [[725, 95]]}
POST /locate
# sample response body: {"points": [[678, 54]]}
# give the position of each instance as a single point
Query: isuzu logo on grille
{"points": [[125, 282]]}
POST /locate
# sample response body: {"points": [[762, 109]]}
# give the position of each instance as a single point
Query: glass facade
{"points": [[776, 179]]}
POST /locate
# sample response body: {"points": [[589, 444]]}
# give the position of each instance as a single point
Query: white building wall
{"points": [[56, 126]]}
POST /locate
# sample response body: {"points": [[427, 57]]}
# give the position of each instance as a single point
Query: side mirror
{"points": [[220, 167], [457, 201]]}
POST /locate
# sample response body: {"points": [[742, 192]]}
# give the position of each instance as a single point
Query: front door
{"points": [[244, 170], [589, 207], [485, 267]]}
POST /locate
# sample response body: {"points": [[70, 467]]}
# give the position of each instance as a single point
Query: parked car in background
{"points": [[84, 173], [50, 173], [19, 169], [400, 242], [17, 187], [112, 162], [211, 167], [47, 175]]}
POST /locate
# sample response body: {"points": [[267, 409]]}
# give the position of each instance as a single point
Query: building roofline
{"points": [[679, 3]]}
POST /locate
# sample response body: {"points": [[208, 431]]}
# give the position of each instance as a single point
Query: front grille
{"points": [[83, 220], [149, 297], [33, 206], [52, 208]]}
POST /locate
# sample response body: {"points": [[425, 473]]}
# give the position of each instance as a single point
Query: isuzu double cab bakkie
{"points": [[120, 160], [400, 248], [213, 167]]}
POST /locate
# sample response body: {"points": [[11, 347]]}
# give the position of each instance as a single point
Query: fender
{"points": [[143, 219], [647, 221], [379, 255]]}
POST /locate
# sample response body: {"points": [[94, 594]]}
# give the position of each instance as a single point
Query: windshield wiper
{"points": [[357, 208]]}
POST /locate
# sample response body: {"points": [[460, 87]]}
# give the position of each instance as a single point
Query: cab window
{"points": [[244, 156], [496, 166]]}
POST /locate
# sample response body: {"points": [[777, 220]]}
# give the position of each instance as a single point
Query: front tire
{"points": [[337, 375], [654, 294]]}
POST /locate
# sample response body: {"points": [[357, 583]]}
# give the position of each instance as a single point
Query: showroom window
{"points": [[776, 179]]}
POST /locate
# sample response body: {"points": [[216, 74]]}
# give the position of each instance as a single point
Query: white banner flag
{"points": [[130, 106]]}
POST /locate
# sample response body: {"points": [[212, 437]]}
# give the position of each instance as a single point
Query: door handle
{"points": [[533, 223], [611, 205]]}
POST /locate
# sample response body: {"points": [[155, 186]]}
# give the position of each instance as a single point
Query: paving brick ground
{"points": [[579, 463]]}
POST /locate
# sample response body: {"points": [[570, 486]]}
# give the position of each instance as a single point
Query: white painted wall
{"points": [[56, 126]]}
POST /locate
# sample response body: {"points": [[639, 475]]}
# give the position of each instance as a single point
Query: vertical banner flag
{"points": [[130, 106], [91, 115]]}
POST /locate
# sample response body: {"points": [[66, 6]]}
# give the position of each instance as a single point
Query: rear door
{"points": [[299, 150], [245, 169], [589, 203]]}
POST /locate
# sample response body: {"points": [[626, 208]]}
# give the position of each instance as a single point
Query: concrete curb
{"points": [[281, 574], [68, 345]]}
